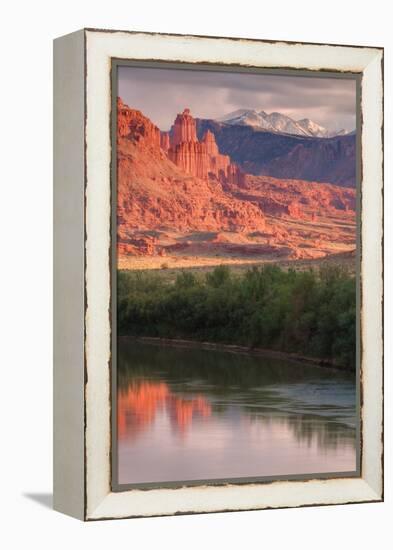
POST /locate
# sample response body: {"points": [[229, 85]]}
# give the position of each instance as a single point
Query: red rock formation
{"points": [[184, 128], [192, 157], [200, 158], [297, 199], [154, 192], [133, 125], [165, 193], [211, 146], [139, 245], [235, 176], [294, 210], [165, 141]]}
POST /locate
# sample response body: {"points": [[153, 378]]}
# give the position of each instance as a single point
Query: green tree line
{"points": [[312, 313]]}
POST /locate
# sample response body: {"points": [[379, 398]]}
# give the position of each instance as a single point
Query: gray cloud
{"points": [[161, 93]]}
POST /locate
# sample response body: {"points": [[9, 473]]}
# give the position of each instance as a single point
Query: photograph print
{"points": [[236, 317]]}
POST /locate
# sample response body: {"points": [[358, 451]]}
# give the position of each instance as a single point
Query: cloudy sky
{"points": [[162, 93]]}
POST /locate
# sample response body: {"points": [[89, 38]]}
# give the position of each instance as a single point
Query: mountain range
{"points": [[277, 122], [284, 155]]}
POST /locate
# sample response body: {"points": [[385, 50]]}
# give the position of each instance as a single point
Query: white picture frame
{"points": [[82, 258]]}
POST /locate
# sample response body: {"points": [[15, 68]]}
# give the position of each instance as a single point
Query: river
{"points": [[193, 414]]}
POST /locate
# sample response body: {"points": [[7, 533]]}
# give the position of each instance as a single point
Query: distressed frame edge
{"points": [[69, 489], [362, 493], [375, 490], [236, 38], [372, 230]]}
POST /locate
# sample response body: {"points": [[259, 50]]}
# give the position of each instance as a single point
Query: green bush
{"points": [[311, 313]]}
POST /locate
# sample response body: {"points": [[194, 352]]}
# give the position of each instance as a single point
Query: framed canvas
{"points": [[218, 270]]}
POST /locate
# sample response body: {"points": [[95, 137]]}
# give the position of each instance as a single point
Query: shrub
{"points": [[313, 312]]}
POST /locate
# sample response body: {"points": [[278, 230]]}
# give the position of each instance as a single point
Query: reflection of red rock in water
{"points": [[137, 407], [182, 411]]}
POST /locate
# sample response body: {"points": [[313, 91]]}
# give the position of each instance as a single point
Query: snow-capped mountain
{"points": [[277, 122]]}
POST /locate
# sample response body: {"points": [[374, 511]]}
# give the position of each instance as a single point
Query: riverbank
{"points": [[244, 350], [304, 314]]}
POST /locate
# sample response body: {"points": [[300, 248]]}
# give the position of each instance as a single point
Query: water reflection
{"points": [[195, 414], [139, 403]]}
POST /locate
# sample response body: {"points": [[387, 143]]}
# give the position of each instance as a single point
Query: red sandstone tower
{"points": [[198, 158], [184, 129]]}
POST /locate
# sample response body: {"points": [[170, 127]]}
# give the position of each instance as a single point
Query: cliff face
{"points": [[165, 141], [155, 192], [199, 158], [133, 125]]}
